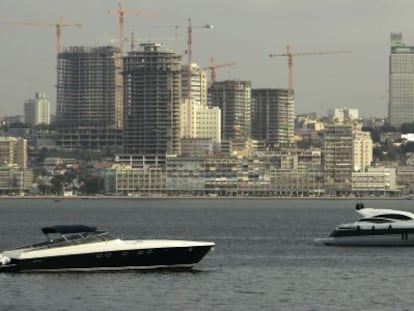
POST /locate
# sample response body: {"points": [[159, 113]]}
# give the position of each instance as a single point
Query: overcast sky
{"points": [[245, 31]]}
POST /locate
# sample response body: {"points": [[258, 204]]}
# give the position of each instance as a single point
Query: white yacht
{"points": [[378, 227], [84, 248]]}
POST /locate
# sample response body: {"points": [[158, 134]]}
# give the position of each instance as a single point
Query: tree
{"points": [[375, 134], [92, 185], [57, 184], [408, 147]]}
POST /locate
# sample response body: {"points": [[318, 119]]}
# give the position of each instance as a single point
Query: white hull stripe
{"points": [[108, 246]]}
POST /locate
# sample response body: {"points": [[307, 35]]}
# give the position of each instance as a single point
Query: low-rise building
{"points": [[375, 180], [15, 180]]}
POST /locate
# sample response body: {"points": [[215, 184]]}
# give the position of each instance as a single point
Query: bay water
{"points": [[264, 258]]}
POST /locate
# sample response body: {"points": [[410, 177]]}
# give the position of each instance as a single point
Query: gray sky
{"points": [[245, 31]]}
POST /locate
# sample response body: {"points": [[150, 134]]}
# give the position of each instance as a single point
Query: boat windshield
{"points": [[74, 239]]}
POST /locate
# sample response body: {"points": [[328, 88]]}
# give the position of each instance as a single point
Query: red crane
{"points": [[121, 13], [290, 55], [190, 52], [213, 66], [60, 23]]}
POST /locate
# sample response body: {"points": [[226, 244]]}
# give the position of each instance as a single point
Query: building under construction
{"points": [[233, 97], [152, 80], [89, 111], [273, 117]]}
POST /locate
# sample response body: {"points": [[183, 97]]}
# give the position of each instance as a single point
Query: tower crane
{"points": [[58, 25], [190, 52], [132, 46], [121, 13], [213, 66], [290, 55]]}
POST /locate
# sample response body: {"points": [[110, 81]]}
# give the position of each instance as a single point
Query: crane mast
{"points": [[121, 12], [213, 67]]}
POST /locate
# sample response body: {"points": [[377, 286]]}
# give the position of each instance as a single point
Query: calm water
{"points": [[265, 258]]}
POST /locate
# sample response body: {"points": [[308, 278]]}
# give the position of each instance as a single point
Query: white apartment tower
{"points": [[197, 119], [343, 114], [362, 150], [205, 121], [198, 84], [37, 110]]}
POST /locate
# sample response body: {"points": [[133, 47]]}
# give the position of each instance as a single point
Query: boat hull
{"points": [[399, 239], [136, 259]]}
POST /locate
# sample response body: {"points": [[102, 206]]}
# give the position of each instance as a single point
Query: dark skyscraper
{"points": [[89, 111], [401, 80], [233, 97], [152, 81], [273, 117]]}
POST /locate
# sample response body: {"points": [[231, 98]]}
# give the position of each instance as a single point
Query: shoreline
{"points": [[104, 197]]}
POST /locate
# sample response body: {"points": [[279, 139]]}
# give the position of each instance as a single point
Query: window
{"points": [[395, 216]]}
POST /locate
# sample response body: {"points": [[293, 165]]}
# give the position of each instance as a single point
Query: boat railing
{"points": [[73, 239]]}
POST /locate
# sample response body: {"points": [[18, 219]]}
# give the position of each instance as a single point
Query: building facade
{"points": [[343, 114], [233, 97], [15, 180], [273, 117], [198, 121], [362, 150], [401, 81], [152, 79], [198, 86], [89, 111], [37, 110], [337, 158], [13, 152], [375, 180]]}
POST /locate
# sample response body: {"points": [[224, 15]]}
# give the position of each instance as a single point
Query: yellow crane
{"points": [[290, 55]]}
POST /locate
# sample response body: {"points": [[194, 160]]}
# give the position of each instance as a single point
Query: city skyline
{"points": [[358, 80]]}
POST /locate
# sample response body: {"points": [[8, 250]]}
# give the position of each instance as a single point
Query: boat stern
{"points": [[6, 264]]}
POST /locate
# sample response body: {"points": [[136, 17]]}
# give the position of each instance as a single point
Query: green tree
{"points": [[92, 185], [57, 183]]}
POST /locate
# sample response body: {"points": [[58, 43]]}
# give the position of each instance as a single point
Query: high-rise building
{"points": [[401, 81], [233, 97], [205, 122], [337, 157], [37, 110], [152, 79], [89, 111], [273, 117], [198, 84], [197, 119]]}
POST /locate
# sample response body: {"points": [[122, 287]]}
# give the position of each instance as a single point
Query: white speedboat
{"points": [[378, 227], [84, 248]]}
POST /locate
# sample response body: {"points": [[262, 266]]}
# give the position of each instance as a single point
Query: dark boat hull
{"points": [[156, 258]]}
